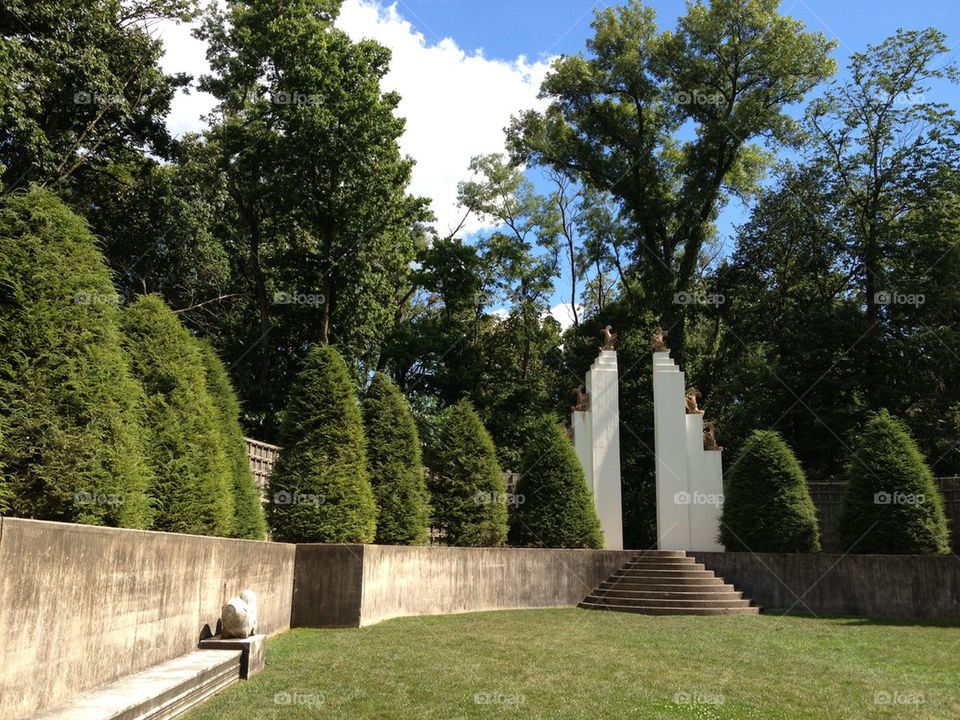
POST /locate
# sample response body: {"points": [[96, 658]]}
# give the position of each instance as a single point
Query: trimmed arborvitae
{"points": [[768, 507], [394, 465], [553, 506], [73, 447], [193, 491], [892, 504], [319, 490], [5, 489], [465, 482], [248, 516]]}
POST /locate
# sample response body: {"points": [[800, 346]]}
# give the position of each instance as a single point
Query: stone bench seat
{"points": [[161, 692]]}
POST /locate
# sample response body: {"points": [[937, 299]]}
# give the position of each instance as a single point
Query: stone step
{"points": [[162, 692], [664, 563], [725, 592], [666, 574], [658, 583], [647, 610], [661, 566], [668, 603], [644, 554]]}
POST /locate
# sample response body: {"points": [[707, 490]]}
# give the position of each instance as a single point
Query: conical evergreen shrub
{"points": [[553, 506], [768, 507], [319, 490], [6, 491], [193, 489], [465, 482], [892, 504], [73, 447], [248, 516], [394, 465]]}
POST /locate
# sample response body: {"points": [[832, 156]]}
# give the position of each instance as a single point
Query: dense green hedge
{"points": [[395, 466], [465, 482], [193, 487], [892, 504], [553, 506], [319, 491], [767, 507], [248, 518], [74, 447]]}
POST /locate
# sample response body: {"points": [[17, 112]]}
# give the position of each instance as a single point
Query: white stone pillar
{"points": [[670, 441], [603, 387], [583, 442], [689, 478]]}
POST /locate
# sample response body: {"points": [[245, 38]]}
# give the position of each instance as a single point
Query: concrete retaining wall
{"points": [[869, 586], [81, 606], [364, 584]]}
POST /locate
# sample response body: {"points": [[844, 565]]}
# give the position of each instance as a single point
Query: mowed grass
{"points": [[573, 663]]}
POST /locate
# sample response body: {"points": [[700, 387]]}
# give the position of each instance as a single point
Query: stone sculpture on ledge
{"points": [[582, 403], [710, 438], [660, 340], [609, 339], [238, 616], [690, 401]]}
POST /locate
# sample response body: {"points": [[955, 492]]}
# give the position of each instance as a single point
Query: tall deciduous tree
{"points": [[74, 448], [729, 68], [308, 143], [883, 144], [81, 85]]}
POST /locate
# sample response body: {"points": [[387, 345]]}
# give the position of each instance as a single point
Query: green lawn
{"points": [[586, 664]]}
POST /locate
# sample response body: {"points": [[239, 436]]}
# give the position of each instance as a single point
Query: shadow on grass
{"points": [[881, 621]]}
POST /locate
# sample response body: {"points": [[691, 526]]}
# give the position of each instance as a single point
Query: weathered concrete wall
{"points": [[81, 606], [354, 585], [327, 586], [870, 586]]}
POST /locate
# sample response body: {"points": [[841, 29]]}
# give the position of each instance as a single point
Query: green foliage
{"points": [[465, 482], [81, 84], [892, 505], [617, 112], [248, 520], [73, 447], [553, 506], [193, 489], [308, 146], [395, 466], [767, 507], [319, 490]]}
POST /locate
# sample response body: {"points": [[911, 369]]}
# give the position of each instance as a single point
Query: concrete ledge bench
{"points": [[161, 692]]}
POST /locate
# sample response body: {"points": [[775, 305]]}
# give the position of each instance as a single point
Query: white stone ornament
{"points": [[238, 616]]}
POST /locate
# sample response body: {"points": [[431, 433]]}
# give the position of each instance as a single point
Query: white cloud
{"points": [[456, 103], [563, 314], [184, 53]]}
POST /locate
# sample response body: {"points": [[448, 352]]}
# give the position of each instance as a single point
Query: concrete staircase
{"points": [[667, 582]]}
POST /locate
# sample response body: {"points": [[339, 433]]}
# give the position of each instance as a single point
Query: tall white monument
{"points": [[688, 465], [596, 431]]}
